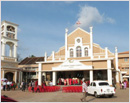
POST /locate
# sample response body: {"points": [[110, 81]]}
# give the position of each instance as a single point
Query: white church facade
{"points": [[80, 57]]}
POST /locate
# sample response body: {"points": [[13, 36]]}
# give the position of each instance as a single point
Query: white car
{"points": [[101, 88]]}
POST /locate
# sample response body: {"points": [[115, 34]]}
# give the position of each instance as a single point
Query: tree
{"points": [[32, 56]]}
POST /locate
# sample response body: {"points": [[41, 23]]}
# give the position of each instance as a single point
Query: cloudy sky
{"points": [[42, 23]]}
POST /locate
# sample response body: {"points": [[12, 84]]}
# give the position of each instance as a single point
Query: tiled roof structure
{"points": [[31, 60]]}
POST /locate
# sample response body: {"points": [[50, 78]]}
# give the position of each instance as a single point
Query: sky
{"points": [[42, 23]]}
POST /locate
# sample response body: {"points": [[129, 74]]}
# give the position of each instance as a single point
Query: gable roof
{"points": [[78, 29], [31, 60]]}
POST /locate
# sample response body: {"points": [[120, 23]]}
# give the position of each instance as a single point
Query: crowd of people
{"points": [[70, 81], [9, 85]]}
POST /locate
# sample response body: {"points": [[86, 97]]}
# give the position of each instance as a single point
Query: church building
{"points": [[80, 57]]}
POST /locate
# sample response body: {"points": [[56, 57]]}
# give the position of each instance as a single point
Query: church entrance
{"points": [[9, 76], [70, 74], [69, 77]]}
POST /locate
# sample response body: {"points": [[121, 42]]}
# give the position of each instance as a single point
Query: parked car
{"points": [[101, 88]]}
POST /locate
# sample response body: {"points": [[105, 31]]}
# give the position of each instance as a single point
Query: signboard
{"points": [[72, 65]]}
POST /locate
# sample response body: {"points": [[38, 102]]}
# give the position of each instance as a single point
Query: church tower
{"points": [[9, 43]]}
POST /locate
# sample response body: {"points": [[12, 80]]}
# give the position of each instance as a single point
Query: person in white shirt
{"points": [[8, 85], [84, 90], [51, 84], [4, 85]]}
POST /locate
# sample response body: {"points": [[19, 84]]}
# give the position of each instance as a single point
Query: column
{"points": [[66, 33], [91, 75], [45, 57], [5, 29], [117, 76], [21, 76], [15, 76], [116, 62], [53, 55], [15, 32], [3, 49], [106, 52], [39, 74], [3, 73], [109, 72], [121, 77], [15, 52], [91, 42], [54, 78], [11, 51]]}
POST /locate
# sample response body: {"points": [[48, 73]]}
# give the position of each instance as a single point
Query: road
{"points": [[120, 96]]}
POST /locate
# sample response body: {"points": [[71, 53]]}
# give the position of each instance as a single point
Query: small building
{"points": [[28, 68], [123, 59]]}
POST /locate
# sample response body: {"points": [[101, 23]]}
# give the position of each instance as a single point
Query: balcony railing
{"points": [[8, 58]]}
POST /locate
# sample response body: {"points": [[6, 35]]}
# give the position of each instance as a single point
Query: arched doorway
{"points": [[9, 76]]}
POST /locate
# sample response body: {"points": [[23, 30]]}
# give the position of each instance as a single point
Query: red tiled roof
{"points": [[126, 52], [31, 60]]}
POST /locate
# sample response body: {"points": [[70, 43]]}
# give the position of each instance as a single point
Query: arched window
{"points": [[86, 52], [78, 51], [71, 52]]}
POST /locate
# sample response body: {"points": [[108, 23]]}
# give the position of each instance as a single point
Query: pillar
{"points": [[5, 29], [121, 78], [53, 55], [91, 75], [3, 74], [66, 33], [15, 76], [109, 72], [3, 49], [106, 52], [39, 74], [45, 57], [15, 52], [91, 42], [116, 62], [21, 76], [54, 78], [11, 51], [117, 76], [15, 32]]}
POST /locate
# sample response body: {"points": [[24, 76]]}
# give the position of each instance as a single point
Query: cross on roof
{"points": [[78, 23]]}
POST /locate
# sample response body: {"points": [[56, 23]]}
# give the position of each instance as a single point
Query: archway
{"points": [[9, 76]]}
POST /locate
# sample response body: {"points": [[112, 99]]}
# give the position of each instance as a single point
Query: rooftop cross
{"points": [[78, 23]]}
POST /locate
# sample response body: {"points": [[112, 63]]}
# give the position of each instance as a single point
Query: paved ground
{"points": [[120, 96]]}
